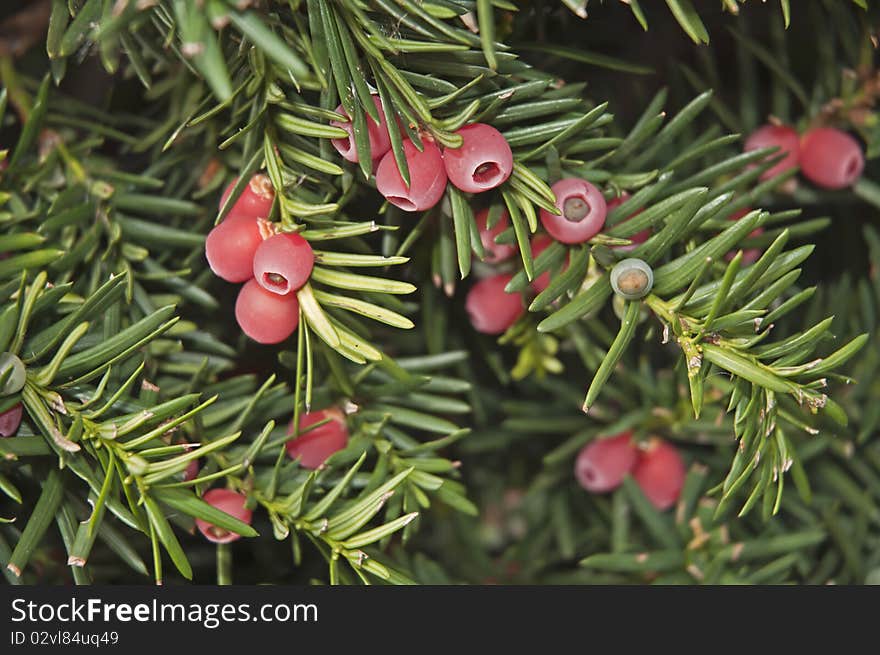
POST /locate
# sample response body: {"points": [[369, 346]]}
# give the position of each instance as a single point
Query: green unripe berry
{"points": [[12, 374], [632, 279]]}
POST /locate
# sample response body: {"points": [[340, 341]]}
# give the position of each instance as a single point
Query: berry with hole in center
{"points": [[495, 252], [602, 464], [283, 263], [229, 502], [255, 200], [582, 211], [780, 136], [483, 161], [491, 309], [660, 473], [831, 158], [426, 173], [377, 133], [265, 316], [230, 247], [10, 420], [313, 446]]}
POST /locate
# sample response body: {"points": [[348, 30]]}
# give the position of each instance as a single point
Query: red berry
{"points": [[283, 263], [638, 237], [750, 255], [491, 309], [230, 247], [483, 161], [539, 244], [660, 473], [227, 501], [781, 136], [495, 252], [264, 316], [830, 158], [10, 420], [314, 446], [582, 210], [380, 141], [602, 464], [426, 173], [191, 471], [256, 199], [617, 201]]}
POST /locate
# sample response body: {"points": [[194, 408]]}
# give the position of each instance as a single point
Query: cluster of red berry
{"points": [[311, 449], [657, 468], [482, 162], [491, 309], [828, 157], [246, 247], [582, 211]]}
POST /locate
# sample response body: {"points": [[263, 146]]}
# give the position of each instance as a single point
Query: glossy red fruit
{"points": [[660, 473], [10, 420], [637, 238], [380, 141], [781, 136], [256, 199], [830, 158], [230, 247], [283, 263], [582, 210], [602, 464], [491, 309], [314, 446], [426, 173], [264, 316], [483, 161], [227, 501], [540, 243], [750, 255], [495, 252]]}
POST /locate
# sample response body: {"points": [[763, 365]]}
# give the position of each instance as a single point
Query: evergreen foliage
{"points": [[123, 120]]}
